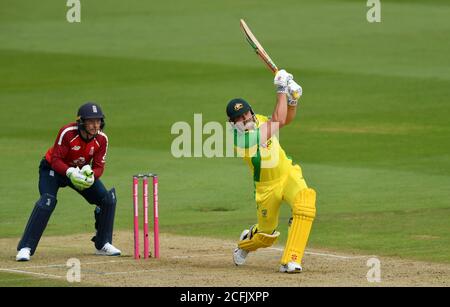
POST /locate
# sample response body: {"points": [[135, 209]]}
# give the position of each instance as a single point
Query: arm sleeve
{"points": [[59, 153], [99, 159]]}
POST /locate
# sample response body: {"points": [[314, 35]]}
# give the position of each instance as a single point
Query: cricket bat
{"points": [[263, 55]]}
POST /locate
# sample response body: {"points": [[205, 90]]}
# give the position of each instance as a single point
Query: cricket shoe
{"points": [[239, 255], [108, 250], [291, 267], [24, 254]]}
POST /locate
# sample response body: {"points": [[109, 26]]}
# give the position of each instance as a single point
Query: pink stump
{"points": [[155, 216], [145, 200], [136, 217]]}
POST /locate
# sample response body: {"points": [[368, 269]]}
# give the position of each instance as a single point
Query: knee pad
{"points": [[305, 204], [109, 200], [46, 202]]}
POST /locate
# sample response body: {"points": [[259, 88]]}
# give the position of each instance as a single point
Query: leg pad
{"points": [[37, 222], [304, 212], [258, 240], [105, 219]]}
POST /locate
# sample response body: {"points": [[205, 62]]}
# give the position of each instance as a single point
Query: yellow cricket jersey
{"points": [[267, 161]]}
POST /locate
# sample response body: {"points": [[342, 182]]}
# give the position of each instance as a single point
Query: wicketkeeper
{"points": [[276, 178], [77, 160]]}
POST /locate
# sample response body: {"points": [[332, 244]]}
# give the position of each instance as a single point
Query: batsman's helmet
{"points": [[87, 111], [237, 107]]}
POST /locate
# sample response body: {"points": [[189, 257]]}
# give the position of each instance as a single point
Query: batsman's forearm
{"points": [[291, 113], [277, 121], [280, 113]]}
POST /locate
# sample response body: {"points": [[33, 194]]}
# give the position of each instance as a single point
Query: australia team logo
{"points": [[238, 106]]}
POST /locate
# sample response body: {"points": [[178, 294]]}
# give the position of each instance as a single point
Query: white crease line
{"points": [[323, 254], [32, 273], [173, 257], [278, 250], [336, 256], [140, 271], [197, 256], [318, 254], [65, 266], [20, 279]]}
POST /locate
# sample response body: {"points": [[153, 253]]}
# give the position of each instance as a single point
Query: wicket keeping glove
{"points": [[294, 92], [281, 81], [77, 178], [87, 171]]}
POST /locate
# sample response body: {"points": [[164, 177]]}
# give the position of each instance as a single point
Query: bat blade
{"points": [[254, 43]]}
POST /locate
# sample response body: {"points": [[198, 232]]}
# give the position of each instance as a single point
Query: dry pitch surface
{"points": [[196, 261]]}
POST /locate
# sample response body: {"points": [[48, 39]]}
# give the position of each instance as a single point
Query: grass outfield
{"points": [[372, 134], [19, 280]]}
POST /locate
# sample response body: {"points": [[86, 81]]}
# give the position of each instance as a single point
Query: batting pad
{"points": [[258, 240], [304, 212]]}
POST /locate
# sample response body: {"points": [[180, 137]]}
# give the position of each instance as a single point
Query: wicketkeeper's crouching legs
{"points": [[37, 222], [104, 219], [104, 214]]}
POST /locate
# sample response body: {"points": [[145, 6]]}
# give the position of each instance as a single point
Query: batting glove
{"points": [[294, 92], [281, 81]]}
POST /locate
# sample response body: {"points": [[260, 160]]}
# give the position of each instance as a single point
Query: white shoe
{"points": [[239, 255], [291, 267], [108, 250], [24, 254]]}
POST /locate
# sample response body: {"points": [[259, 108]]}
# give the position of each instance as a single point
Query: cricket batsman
{"points": [[76, 160], [276, 178]]}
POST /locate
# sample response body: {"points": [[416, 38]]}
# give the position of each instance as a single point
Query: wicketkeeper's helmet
{"points": [[87, 111]]}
